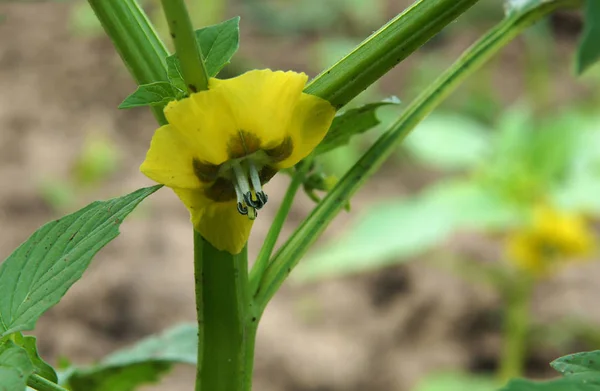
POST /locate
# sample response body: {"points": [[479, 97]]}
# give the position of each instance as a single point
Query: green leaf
{"points": [[119, 378], [174, 73], [450, 142], [578, 382], [588, 51], [218, 44], [15, 367], [578, 363], [41, 367], [394, 231], [38, 273], [581, 373], [143, 363], [350, 123], [158, 93]]}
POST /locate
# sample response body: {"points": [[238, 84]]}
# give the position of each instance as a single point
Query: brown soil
{"points": [[381, 331]]}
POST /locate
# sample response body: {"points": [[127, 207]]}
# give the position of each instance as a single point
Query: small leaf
{"points": [[174, 73], [578, 382], [350, 123], [38, 273], [41, 367], [581, 373], [126, 378], [158, 93], [588, 51], [143, 363], [15, 367], [218, 44], [578, 363]]}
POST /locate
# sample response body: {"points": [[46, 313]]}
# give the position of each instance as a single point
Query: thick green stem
{"points": [[516, 327], [39, 383], [297, 245], [136, 42], [262, 261], [385, 48], [228, 321], [184, 38], [198, 285]]}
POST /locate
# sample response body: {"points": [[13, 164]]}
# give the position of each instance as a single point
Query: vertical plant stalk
{"points": [[198, 289], [517, 297], [228, 342], [136, 42], [292, 251], [188, 51], [225, 323]]}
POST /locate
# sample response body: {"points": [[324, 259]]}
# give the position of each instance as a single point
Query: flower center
{"points": [[248, 190]]}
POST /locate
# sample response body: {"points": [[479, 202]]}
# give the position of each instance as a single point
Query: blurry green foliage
{"points": [[434, 144], [528, 160], [83, 21], [143, 363], [281, 16], [456, 381], [589, 49], [97, 161]]}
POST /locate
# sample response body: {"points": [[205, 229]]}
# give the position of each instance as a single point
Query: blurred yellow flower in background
{"points": [[221, 145], [551, 239]]}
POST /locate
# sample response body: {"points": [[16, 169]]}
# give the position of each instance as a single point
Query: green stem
{"points": [[296, 246], [385, 48], [198, 285], [39, 383], [136, 42], [184, 38], [516, 327], [262, 261], [228, 321]]}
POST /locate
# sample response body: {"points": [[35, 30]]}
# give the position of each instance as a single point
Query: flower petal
{"points": [[263, 102], [170, 160], [218, 222], [310, 122], [206, 123]]}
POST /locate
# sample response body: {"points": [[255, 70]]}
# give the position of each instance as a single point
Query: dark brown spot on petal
{"points": [[266, 173], [206, 172], [282, 151], [244, 145], [221, 191]]}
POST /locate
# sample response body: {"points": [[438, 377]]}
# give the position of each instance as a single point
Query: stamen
{"points": [[250, 197], [255, 178], [242, 209]]}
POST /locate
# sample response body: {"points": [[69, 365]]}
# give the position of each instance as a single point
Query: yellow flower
{"points": [[223, 144], [552, 237]]}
